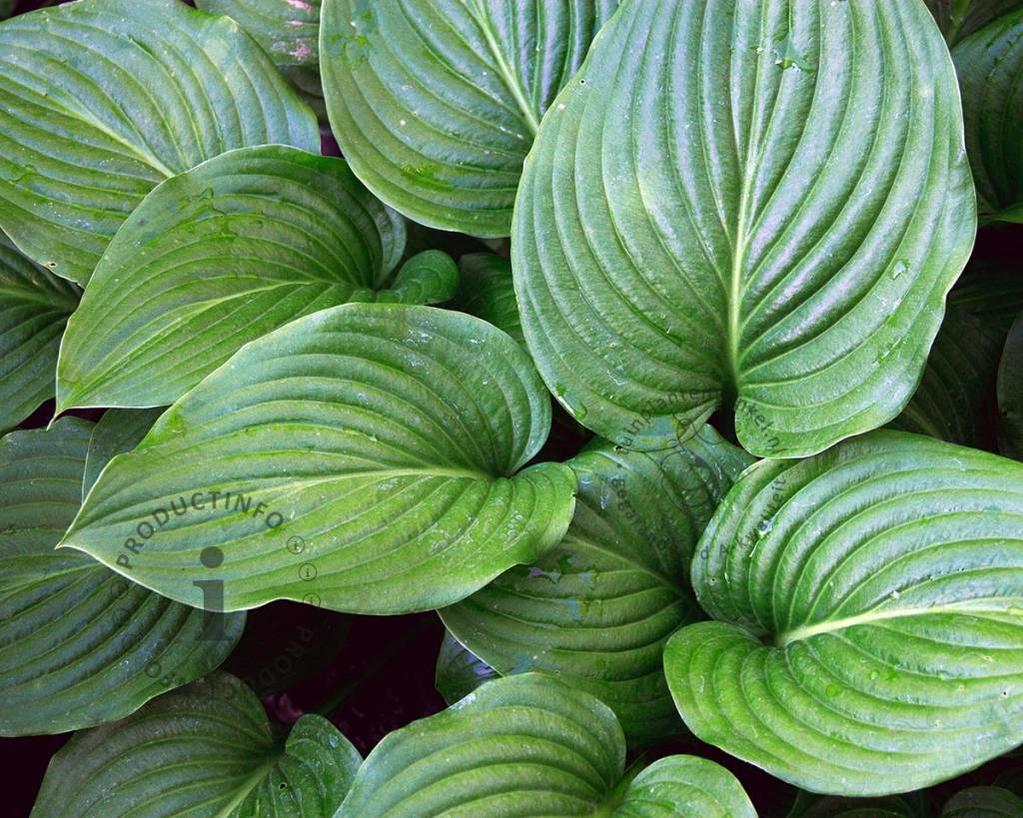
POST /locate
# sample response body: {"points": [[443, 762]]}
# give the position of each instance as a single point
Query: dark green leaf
{"points": [[960, 18], [486, 291], [1010, 394], [984, 802], [459, 672]]}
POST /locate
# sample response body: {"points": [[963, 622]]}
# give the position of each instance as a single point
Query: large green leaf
{"points": [[486, 291], [216, 257], [745, 201], [870, 607], [78, 645], [288, 30], [960, 18], [436, 102], [598, 609], [34, 307], [531, 745], [956, 398], [372, 452], [1010, 394], [990, 63], [206, 750], [104, 99]]}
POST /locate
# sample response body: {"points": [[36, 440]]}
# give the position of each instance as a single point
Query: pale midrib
{"points": [[883, 615], [246, 787], [510, 80]]}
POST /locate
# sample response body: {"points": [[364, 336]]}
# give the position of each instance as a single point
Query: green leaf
{"points": [[288, 30], [34, 307], [386, 439], [436, 102], [459, 672], [104, 99], [956, 398], [205, 750], [78, 645], [989, 64], [6, 8], [993, 292], [983, 802], [119, 430], [216, 257], [486, 290], [960, 18], [870, 607], [598, 609], [531, 745], [1010, 394], [745, 201]]}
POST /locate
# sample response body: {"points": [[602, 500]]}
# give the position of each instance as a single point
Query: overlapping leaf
{"points": [[371, 453], [990, 64], [34, 307], [78, 645], [102, 100], [531, 745], [598, 609], [870, 617], [204, 750], [219, 256], [960, 18], [743, 202], [436, 102], [486, 291], [459, 671], [288, 30], [984, 802], [1010, 394]]}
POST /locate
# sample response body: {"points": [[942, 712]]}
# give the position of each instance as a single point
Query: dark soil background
{"points": [[372, 675]]}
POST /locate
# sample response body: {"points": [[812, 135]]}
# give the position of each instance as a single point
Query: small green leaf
{"points": [[371, 455], [531, 745], [1010, 394], [34, 307], [598, 609], [78, 644], [204, 750], [459, 671], [104, 99], [989, 64], [119, 430], [436, 102], [486, 290], [745, 204], [960, 18], [870, 617], [983, 802], [219, 256]]}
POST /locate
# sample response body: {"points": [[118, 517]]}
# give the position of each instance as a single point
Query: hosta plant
{"points": [[488, 408]]}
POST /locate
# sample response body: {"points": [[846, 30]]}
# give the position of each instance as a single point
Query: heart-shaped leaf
{"points": [[989, 64], [960, 18], [78, 645], [956, 398], [870, 607], [34, 307], [486, 291], [598, 609], [1010, 394], [218, 256], [531, 745], [459, 671], [103, 99], [436, 102], [204, 750], [739, 201], [370, 453]]}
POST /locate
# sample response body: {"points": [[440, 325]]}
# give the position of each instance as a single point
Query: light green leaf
{"points": [[743, 202], [989, 64], [486, 291], [870, 607], [34, 307], [429, 277], [598, 609], [531, 745], [1010, 394], [288, 30], [386, 438], [956, 398], [960, 18], [205, 750], [104, 99], [983, 802], [436, 102], [216, 257], [459, 672], [78, 645]]}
